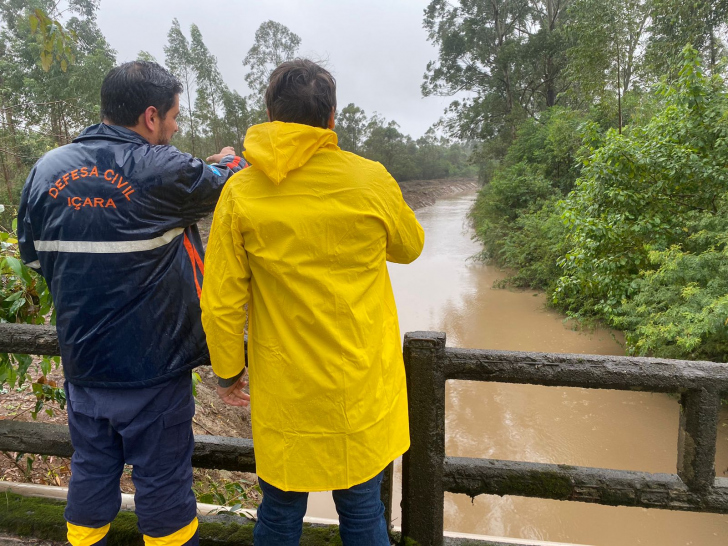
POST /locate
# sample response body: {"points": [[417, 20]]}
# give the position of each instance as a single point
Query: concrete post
{"points": [[423, 496], [387, 491], [697, 438]]}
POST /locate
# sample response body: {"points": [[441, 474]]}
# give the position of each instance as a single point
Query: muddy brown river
{"points": [[447, 291]]}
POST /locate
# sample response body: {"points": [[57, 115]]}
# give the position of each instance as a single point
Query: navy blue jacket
{"points": [[110, 222]]}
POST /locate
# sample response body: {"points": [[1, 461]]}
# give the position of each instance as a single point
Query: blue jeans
{"points": [[360, 509]]}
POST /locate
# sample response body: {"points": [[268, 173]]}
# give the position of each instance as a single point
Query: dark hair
{"points": [[300, 91], [129, 89]]}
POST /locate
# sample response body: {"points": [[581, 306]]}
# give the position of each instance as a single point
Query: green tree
{"points": [[210, 89], [180, 62], [507, 53], [607, 37], [351, 127], [390, 147], [274, 43], [675, 23], [42, 108], [237, 118], [642, 191], [146, 56]]}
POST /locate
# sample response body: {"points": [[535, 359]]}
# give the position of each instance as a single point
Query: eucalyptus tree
{"points": [[210, 89], [179, 61], [701, 23], [351, 127], [386, 144], [146, 56], [608, 37], [238, 118], [46, 104], [274, 44], [506, 54]]}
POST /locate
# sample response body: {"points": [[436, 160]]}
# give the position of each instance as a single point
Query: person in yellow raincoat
{"points": [[303, 236]]}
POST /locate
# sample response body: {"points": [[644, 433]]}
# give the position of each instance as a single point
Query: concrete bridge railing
{"points": [[428, 472]]}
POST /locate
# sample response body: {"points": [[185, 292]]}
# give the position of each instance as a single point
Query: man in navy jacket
{"points": [[110, 222]]}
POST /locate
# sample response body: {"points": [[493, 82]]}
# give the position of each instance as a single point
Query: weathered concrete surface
{"points": [[595, 485], [586, 371], [43, 519], [218, 452], [423, 497], [30, 339], [223, 453], [37, 438], [39, 522], [8, 540], [697, 438]]}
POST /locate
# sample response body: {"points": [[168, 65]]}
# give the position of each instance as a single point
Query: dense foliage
{"points": [[612, 195], [647, 224]]}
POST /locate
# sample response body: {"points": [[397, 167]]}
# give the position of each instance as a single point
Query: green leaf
{"points": [[33, 24]]}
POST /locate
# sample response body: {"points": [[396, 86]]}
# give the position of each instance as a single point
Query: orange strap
{"points": [[196, 262]]}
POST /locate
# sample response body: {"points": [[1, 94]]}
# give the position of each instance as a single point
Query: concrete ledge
{"points": [[42, 518]]}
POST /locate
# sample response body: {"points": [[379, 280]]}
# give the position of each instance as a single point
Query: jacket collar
{"points": [[102, 131]]}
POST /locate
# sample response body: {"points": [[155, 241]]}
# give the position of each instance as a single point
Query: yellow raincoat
{"points": [[302, 237]]}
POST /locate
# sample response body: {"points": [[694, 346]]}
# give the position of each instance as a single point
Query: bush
{"points": [[641, 191], [25, 297], [680, 309]]}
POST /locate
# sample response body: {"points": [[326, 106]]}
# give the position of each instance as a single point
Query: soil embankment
{"points": [[423, 193]]}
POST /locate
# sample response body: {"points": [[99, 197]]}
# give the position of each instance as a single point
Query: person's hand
{"points": [[234, 395], [227, 150]]}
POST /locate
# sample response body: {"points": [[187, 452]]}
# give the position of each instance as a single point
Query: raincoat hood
{"points": [[277, 148]]}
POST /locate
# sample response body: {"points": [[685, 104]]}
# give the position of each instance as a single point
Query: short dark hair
{"points": [[300, 91], [129, 89]]}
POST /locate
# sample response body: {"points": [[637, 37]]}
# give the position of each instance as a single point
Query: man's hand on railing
{"points": [[235, 394]]}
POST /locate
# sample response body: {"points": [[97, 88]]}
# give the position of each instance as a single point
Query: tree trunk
{"points": [[550, 87], [191, 111], [10, 124], [6, 175], [619, 90]]}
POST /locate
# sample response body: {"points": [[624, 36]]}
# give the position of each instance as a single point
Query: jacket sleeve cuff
{"points": [[233, 162], [224, 383]]}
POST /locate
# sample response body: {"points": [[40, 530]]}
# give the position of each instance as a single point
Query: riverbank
{"points": [[423, 193]]}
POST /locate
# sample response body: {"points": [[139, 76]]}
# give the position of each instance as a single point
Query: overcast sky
{"points": [[376, 49]]}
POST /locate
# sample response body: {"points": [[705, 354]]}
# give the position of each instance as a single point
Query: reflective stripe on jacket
{"points": [[303, 237], [109, 221]]}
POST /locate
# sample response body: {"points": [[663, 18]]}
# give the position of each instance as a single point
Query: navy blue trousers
{"points": [[148, 428]]}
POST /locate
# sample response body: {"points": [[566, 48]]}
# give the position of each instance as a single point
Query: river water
{"points": [[445, 290]]}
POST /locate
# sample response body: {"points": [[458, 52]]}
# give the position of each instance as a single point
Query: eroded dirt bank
{"points": [[423, 193]]}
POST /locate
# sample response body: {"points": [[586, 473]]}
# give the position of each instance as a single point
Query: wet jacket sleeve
{"points": [[196, 188], [405, 237], [26, 241], [226, 290]]}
